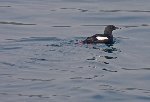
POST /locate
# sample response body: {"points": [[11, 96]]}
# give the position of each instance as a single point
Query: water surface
{"points": [[43, 59]]}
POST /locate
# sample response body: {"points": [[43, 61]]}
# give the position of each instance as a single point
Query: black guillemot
{"points": [[106, 38]]}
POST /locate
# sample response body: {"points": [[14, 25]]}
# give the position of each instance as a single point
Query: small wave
{"points": [[5, 6], [94, 25], [39, 59], [36, 79], [10, 48], [109, 70], [136, 68], [8, 64], [111, 50], [32, 39], [61, 26], [83, 10], [76, 9], [110, 57], [67, 8], [95, 76], [124, 11], [15, 23], [27, 95]]}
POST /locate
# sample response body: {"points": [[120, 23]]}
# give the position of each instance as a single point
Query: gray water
{"points": [[42, 59]]}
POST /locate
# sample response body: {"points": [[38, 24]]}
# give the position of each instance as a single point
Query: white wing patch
{"points": [[101, 38]]}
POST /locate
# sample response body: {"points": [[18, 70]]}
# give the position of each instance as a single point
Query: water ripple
{"points": [[32, 39], [61, 26], [136, 68], [27, 95], [5, 6], [125, 11], [36, 79], [15, 23]]}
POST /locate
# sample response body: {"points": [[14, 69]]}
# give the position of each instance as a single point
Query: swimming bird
{"points": [[106, 38]]}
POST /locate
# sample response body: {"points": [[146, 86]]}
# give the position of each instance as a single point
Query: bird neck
{"points": [[107, 32]]}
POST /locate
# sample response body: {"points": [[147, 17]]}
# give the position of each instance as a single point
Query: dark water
{"points": [[42, 59]]}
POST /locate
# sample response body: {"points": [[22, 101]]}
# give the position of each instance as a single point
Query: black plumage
{"points": [[106, 38]]}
